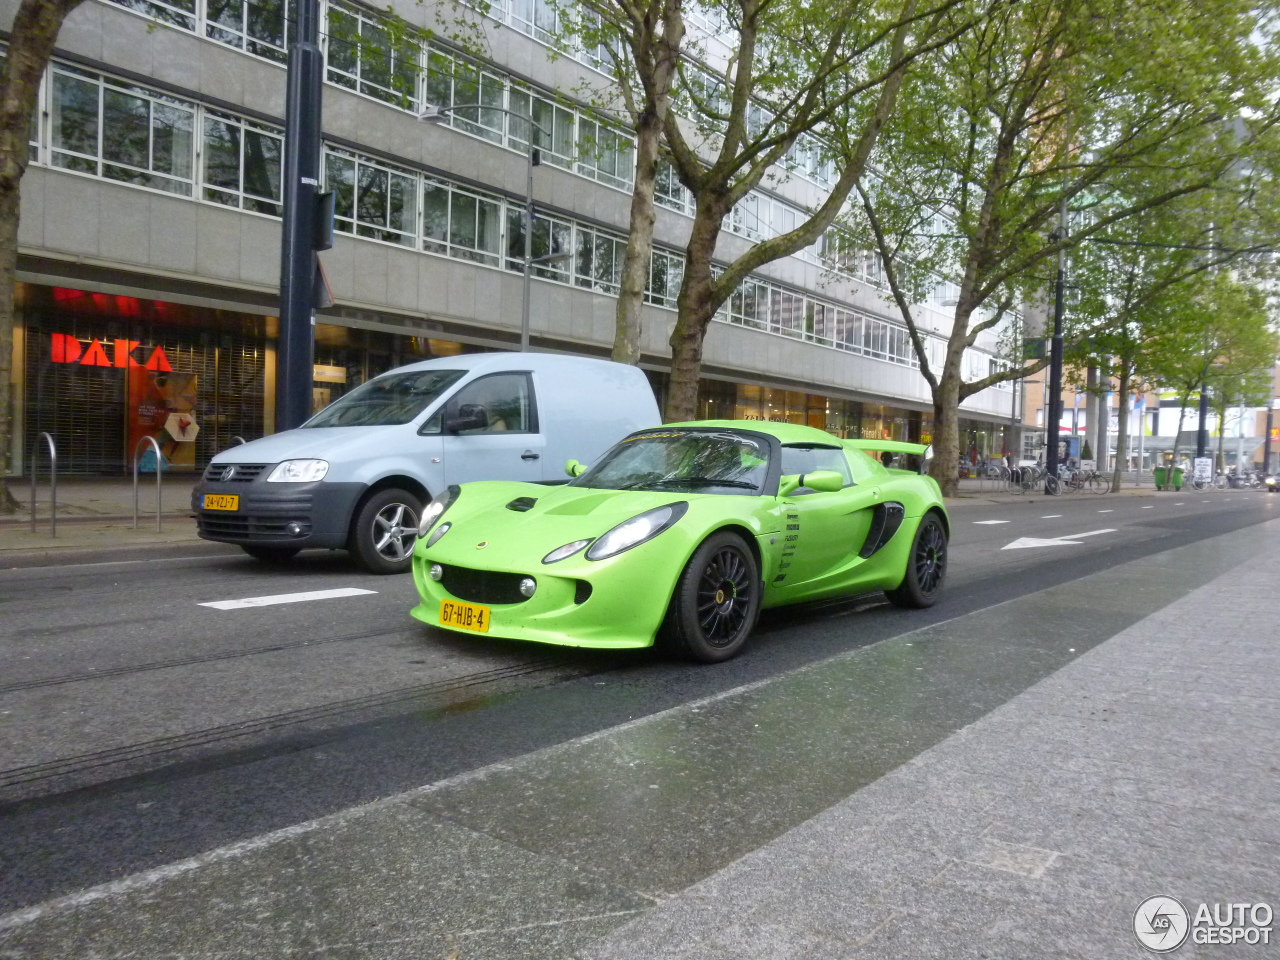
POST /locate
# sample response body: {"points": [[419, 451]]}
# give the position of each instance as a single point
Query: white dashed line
{"points": [[1106, 511], [1182, 504], [1052, 516], [1148, 508], [286, 598], [990, 521]]}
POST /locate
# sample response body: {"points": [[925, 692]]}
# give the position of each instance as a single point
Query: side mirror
{"points": [[574, 469], [469, 416], [927, 459]]}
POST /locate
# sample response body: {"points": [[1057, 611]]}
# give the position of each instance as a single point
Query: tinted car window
{"points": [[812, 459], [693, 461], [390, 399]]}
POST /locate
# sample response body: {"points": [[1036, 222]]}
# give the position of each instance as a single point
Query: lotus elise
{"points": [[681, 535]]}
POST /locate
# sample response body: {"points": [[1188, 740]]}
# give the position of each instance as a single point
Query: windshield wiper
{"points": [[704, 481]]}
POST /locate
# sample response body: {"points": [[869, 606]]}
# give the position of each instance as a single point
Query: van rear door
{"points": [[490, 430]]}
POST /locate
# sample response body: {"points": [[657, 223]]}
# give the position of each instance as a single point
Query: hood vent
{"points": [[522, 504]]}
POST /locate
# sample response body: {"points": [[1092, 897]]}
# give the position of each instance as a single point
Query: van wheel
{"points": [[269, 553], [384, 531]]}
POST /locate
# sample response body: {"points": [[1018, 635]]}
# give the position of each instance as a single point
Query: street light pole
{"points": [[534, 159]]}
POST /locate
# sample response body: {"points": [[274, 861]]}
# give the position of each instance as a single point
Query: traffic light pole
{"points": [[301, 182]]}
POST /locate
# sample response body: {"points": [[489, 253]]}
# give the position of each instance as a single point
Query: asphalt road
{"points": [[141, 727]]}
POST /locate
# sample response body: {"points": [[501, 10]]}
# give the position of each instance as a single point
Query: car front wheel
{"points": [[716, 601], [384, 531], [926, 566]]}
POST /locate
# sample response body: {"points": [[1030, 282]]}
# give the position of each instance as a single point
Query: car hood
{"points": [[519, 522], [320, 443]]}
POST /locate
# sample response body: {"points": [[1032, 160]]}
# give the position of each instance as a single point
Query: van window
{"points": [[386, 400], [812, 459], [506, 399]]}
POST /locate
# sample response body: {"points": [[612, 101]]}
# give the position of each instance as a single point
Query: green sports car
{"points": [[682, 533]]}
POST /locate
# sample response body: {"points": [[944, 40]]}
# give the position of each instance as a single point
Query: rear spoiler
{"points": [[890, 446]]}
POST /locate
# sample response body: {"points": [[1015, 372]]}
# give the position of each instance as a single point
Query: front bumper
{"points": [[610, 604], [320, 511]]}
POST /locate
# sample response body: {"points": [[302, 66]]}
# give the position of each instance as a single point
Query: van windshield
{"points": [[386, 400]]}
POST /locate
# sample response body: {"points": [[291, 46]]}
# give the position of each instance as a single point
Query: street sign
{"points": [[1203, 468]]}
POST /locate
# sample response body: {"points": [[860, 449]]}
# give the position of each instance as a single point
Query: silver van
{"points": [[358, 473]]}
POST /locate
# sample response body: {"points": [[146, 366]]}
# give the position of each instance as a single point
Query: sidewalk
{"points": [[95, 521], [1013, 783]]}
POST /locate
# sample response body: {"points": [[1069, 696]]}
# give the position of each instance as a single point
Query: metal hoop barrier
{"points": [[159, 469], [237, 441], [53, 483]]}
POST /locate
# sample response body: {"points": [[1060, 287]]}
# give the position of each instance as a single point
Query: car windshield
{"points": [[692, 461], [386, 400]]}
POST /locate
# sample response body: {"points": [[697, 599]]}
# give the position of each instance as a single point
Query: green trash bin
{"points": [[1160, 475], [1177, 478]]}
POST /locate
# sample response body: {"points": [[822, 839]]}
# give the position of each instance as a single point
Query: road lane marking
{"points": [[1022, 543], [1182, 504], [1148, 508], [286, 598], [990, 521], [1051, 516], [1106, 511]]}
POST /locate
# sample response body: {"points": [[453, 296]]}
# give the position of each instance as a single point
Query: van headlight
{"points": [[435, 508], [633, 532], [299, 471]]}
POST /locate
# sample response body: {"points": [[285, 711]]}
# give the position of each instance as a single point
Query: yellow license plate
{"points": [[464, 616], [222, 501]]}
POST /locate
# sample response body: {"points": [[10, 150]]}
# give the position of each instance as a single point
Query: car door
{"points": [[823, 530], [501, 440]]}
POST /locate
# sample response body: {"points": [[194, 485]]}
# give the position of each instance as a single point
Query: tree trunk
{"points": [[695, 308], [635, 265], [945, 467], [31, 40]]}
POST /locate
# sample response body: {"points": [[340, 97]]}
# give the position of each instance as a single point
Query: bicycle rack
{"points": [[53, 483], [159, 469], [237, 441]]}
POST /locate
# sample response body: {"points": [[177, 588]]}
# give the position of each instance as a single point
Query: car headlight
{"points": [[636, 531], [437, 533], [568, 550], [299, 471], [434, 509]]}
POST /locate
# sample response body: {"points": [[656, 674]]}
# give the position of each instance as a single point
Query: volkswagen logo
{"points": [[227, 474]]}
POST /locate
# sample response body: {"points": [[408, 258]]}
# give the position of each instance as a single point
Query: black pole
{"points": [[1202, 430], [1266, 444], [1053, 404], [301, 181]]}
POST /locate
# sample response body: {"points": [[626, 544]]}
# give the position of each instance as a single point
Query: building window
{"points": [[598, 262], [455, 81], [604, 154], [371, 199], [552, 243], [461, 224], [665, 273], [556, 136], [538, 18], [121, 132], [242, 164], [259, 27], [365, 56], [668, 191], [179, 13]]}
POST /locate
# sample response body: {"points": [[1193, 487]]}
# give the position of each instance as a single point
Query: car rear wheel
{"points": [[716, 601], [926, 566], [269, 553], [384, 531]]}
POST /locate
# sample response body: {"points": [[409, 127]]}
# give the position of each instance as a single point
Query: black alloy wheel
{"points": [[926, 566], [716, 601], [384, 530]]}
